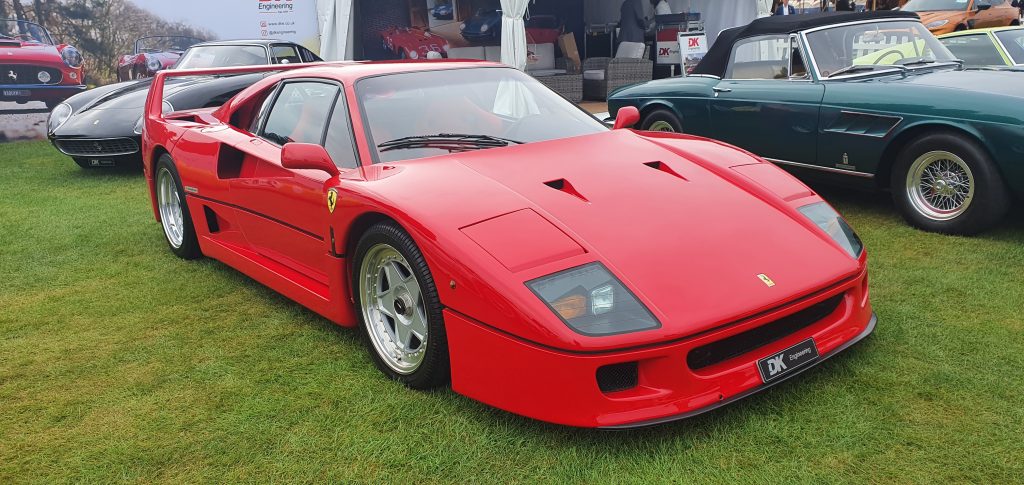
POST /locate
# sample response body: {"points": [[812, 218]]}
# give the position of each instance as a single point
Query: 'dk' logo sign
{"points": [[776, 365]]}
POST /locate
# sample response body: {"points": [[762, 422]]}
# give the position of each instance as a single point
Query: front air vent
{"points": [[662, 167], [563, 185], [617, 377]]}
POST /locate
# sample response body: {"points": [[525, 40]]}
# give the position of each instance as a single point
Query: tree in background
{"points": [[101, 29]]}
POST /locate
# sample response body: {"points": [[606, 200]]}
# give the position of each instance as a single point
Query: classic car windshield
{"points": [[415, 115], [222, 56], [932, 5], [24, 31], [1013, 40], [864, 47], [164, 44]]}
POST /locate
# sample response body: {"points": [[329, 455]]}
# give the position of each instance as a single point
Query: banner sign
{"points": [[692, 48]]}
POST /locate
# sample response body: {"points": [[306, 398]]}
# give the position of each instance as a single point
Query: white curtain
{"points": [[513, 33], [335, 19]]}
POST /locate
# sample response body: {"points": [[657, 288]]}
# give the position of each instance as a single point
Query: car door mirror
{"points": [[307, 156], [626, 117], [979, 5]]}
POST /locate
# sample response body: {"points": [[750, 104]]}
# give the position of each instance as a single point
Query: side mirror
{"points": [[982, 6], [626, 117], [307, 156]]}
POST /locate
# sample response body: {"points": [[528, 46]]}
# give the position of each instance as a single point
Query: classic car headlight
{"points": [[58, 116], [462, 26], [153, 64], [167, 108], [483, 28], [43, 77], [834, 225], [936, 24], [71, 57], [591, 301], [414, 55]]}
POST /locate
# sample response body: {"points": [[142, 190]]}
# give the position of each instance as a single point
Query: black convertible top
{"points": [[717, 58]]}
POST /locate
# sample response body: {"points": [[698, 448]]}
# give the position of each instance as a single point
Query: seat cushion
{"points": [[594, 74], [492, 53], [543, 56], [475, 52], [545, 72]]}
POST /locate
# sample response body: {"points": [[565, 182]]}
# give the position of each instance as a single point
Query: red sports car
{"points": [[152, 54], [482, 230], [413, 43], [32, 68]]}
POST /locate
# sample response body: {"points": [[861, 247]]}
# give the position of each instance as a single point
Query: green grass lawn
{"points": [[120, 362]]}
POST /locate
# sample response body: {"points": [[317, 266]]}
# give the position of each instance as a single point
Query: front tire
{"points": [[946, 183], [662, 120], [175, 219], [399, 308]]}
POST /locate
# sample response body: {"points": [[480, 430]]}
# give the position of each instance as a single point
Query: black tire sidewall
{"points": [[434, 371], [991, 198], [189, 248], [661, 115]]}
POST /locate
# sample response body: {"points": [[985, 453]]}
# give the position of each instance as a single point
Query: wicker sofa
{"points": [[602, 75], [557, 74]]}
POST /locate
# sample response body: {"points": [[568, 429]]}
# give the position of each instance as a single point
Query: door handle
{"points": [[721, 90]]}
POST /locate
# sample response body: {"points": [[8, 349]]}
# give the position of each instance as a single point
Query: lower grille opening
{"points": [[85, 147], [741, 343], [617, 377]]}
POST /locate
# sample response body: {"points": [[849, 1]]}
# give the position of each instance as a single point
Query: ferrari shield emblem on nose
{"points": [[766, 280], [332, 199]]}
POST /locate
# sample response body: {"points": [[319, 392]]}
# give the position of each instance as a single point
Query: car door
{"points": [[282, 214], [991, 13], [767, 102]]}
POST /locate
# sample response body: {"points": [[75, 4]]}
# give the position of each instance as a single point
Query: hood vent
{"points": [[563, 185], [662, 167], [10, 43]]}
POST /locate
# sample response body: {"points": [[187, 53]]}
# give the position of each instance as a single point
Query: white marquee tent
{"points": [[337, 31]]}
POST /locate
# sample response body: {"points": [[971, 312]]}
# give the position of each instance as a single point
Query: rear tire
{"points": [[399, 308], [944, 182], [662, 120], [175, 218]]}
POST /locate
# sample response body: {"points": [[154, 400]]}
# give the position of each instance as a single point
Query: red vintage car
{"points": [[413, 43], [152, 54], [33, 68], [543, 29], [481, 230]]}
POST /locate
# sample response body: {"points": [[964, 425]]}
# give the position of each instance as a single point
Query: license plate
{"points": [[778, 365], [93, 162], [16, 92]]}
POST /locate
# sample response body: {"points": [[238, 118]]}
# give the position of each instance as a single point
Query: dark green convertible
{"points": [[864, 96]]}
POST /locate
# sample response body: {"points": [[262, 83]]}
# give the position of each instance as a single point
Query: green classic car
{"points": [[1001, 47], [861, 97]]}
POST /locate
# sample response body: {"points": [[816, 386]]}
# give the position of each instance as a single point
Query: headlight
{"points": [[483, 28], [43, 76], [462, 26], [591, 301], [414, 55], [936, 24], [71, 57], [58, 116], [167, 108], [153, 64], [834, 225]]}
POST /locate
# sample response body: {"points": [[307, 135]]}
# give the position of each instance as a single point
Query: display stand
{"points": [[667, 29]]}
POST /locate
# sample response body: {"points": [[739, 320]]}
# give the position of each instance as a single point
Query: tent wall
{"points": [[336, 32]]}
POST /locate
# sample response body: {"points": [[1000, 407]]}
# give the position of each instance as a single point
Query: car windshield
{"points": [[24, 31], [1013, 40], [424, 114], [933, 5], [199, 57], [164, 44], [872, 46]]}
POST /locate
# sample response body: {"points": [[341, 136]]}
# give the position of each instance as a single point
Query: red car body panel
{"points": [[686, 223], [403, 41], [134, 66], [22, 58]]}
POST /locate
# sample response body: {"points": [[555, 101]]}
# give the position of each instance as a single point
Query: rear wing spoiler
{"points": [[154, 101]]}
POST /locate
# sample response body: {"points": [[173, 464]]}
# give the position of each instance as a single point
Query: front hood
{"points": [[690, 246], [1005, 83], [27, 53], [132, 94]]}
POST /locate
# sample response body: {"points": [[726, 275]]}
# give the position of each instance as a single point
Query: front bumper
{"points": [[48, 93], [561, 387]]}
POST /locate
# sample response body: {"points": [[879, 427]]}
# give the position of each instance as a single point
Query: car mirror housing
{"points": [[307, 156], [626, 117]]}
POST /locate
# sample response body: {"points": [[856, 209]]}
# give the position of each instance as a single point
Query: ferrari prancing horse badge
{"points": [[332, 199]]}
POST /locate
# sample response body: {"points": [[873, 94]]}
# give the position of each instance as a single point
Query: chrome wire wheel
{"points": [[661, 125], [393, 309], [940, 185], [169, 204]]}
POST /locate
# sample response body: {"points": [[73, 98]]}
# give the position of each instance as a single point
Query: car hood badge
{"points": [[766, 280]]}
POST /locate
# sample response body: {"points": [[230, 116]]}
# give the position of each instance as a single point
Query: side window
{"points": [[339, 142], [299, 113], [975, 50], [284, 54], [309, 56], [798, 69], [764, 57]]}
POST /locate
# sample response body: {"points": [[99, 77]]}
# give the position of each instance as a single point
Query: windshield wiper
{"points": [[453, 142], [864, 67]]}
